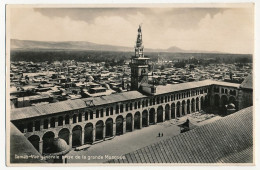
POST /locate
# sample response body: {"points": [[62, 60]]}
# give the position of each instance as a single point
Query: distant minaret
{"points": [[139, 64]]}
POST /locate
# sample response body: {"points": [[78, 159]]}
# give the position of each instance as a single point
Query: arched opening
{"points": [[145, 118], [202, 103], [216, 100], [137, 124], [192, 105], [48, 138], [152, 116], [183, 107], [34, 139], [76, 136], [233, 100], [129, 119], [109, 127], [74, 118], [173, 110], [197, 104], [160, 114], [52, 123], [64, 134], [167, 112], [188, 106], [178, 109], [119, 125], [99, 130], [224, 100], [67, 119], [88, 133], [80, 117]]}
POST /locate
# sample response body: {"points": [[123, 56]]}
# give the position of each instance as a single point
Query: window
{"points": [[126, 107], [117, 109], [121, 108], [53, 122], [97, 113], [102, 113], [37, 125], [60, 121], [111, 110], [45, 124], [80, 117], [107, 111], [131, 106], [30, 127], [91, 114], [67, 119], [135, 105], [74, 118]]}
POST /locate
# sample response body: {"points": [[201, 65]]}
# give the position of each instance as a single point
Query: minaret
{"points": [[139, 64]]}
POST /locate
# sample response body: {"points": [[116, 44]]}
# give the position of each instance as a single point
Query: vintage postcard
{"points": [[165, 84]]}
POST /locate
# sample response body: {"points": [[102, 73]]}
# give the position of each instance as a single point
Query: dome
{"points": [[60, 145], [230, 106]]}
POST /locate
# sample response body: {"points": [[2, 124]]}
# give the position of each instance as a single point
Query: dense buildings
{"points": [[80, 120]]}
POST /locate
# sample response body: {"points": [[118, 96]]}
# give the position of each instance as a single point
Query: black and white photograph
{"points": [[165, 84]]}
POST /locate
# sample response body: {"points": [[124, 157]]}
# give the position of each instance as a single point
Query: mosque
{"points": [[53, 129]]}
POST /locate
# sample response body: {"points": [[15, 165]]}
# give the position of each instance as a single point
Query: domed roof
{"points": [[59, 147], [230, 106]]}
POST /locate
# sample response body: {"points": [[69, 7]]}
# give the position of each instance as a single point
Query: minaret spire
{"points": [[139, 44]]}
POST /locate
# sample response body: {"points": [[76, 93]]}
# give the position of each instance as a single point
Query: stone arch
{"points": [[47, 139], [173, 110], [224, 100], [188, 106], [64, 134], [160, 114], [99, 130], [137, 122], [167, 112], [152, 116], [216, 100], [183, 107], [119, 125], [178, 114], [109, 127], [76, 136], [35, 139], [145, 120], [129, 119], [88, 133]]}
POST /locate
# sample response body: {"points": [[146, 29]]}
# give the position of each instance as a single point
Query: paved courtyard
{"points": [[137, 139]]}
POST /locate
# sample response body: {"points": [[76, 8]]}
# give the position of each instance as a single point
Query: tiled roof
{"points": [[20, 146], [227, 140], [247, 83], [189, 85], [68, 105]]}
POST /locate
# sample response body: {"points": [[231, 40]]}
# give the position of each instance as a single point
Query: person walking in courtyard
{"points": [[159, 135], [162, 134]]}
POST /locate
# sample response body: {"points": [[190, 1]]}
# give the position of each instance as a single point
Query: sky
{"points": [[228, 30]]}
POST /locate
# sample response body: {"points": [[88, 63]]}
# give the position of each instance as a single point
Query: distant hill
{"points": [[88, 46]]}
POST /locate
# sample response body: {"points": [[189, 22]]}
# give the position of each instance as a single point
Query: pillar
{"points": [[199, 104], [94, 134], [104, 132], [195, 105], [175, 112], [180, 110], [148, 121], [56, 122], [163, 114], [41, 125], [133, 126], [190, 106], [170, 113], [185, 108], [40, 146], [114, 129], [124, 125], [70, 140], [155, 116], [82, 137], [141, 121], [33, 126]]}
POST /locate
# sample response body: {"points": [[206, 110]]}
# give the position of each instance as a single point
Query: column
{"points": [[40, 146], [63, 120], [163, 113], [175, 112], [56, 122], [33, 126], [82, 136], [155, 117], [114, 129], [199, 104], [195, 105], [133, 126], [180, 110], [124, 125], [70, 140], [148, 122], [49, 123], [94, 134], [185, 108], [71, 120], [190, 107], [104, 132], [170, 113], [141, 121]]}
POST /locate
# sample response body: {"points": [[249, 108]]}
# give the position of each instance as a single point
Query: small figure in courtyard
{"points": [[162, 134], [159, 135]]}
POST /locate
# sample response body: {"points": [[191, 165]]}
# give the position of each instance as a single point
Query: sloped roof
{"points": [[19, 145], [247, 83], [227, 140], [68, 105], [189, 85]]}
